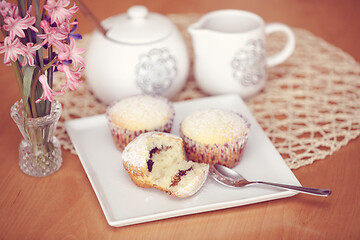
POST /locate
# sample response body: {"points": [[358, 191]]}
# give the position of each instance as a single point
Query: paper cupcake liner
{"points": [[227, 154], [123, 136]]}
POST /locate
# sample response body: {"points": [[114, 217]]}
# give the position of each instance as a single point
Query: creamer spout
{"points": [[193, 29]]}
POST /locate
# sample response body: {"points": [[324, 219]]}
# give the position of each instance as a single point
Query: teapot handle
{"points": [[289, 46]]}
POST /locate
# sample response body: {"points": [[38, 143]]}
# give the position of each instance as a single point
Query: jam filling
{"points": [[176, 179], [152, 152], [150, 164]]}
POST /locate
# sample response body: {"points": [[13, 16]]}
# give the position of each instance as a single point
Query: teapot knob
{"points": [[137, 12]]}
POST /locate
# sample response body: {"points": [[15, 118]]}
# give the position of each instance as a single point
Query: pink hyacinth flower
{"points": [[8, 9], [48, 93], [12, 49], [72, 77], [16, 25], [58, 12], [5, 7], [29, 53], [53, 36], [71, 53]]}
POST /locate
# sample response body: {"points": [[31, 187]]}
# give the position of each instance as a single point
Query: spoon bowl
{"points": [[231, 178]]}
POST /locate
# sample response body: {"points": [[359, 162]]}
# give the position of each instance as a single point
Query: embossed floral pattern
{"points": [[156, 71], [249, 64]]}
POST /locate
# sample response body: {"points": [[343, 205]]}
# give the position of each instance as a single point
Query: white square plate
{"points": [[123, 203]]}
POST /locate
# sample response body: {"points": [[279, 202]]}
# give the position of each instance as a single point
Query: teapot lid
{"points": [[138, 26]]}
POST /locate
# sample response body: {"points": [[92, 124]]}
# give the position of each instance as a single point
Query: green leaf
{"points": [[37, 10], [40, 106], [22, 7], [29, 72]]}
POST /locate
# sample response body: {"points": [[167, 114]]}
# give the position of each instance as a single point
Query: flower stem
{"points": [[50, 72], [28, 4], [39, 54], [36, 79]]}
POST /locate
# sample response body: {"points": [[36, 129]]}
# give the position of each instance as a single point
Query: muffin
{"points": [[158, 160], [135, 115], [215, 136]]}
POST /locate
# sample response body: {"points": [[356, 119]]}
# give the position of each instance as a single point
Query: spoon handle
{"points": [[313, 191]]}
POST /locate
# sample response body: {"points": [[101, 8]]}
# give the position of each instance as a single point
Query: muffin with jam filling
{"points": [[135, 115], [157, 160]]}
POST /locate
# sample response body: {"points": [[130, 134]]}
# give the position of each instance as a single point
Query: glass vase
{"points": [[39, 151]]}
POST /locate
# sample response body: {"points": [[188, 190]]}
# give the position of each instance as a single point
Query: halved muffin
{"points": [[157, 160]]}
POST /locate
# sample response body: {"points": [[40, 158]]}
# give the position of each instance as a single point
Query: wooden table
{"points": [[64, 205]]}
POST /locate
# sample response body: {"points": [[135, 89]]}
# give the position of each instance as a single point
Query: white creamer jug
{"points": [[230, 51], [142, 52]]}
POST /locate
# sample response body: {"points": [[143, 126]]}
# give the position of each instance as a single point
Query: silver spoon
{"points": [[231, 178]]}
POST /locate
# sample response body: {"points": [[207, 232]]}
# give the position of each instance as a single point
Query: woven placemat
{"points": [[309, 108]]}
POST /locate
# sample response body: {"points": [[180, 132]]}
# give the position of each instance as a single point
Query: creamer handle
{"points": [[285, 53]]}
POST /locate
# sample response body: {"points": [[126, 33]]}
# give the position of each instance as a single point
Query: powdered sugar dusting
{"points": [[137, 151], [213, 126], [141, 112]]}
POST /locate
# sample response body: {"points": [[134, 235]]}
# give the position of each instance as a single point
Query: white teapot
{"points": [[142, 52]]}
